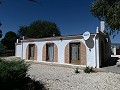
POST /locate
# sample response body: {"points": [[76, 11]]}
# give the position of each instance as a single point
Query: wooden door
{"points": [[75, 53]]}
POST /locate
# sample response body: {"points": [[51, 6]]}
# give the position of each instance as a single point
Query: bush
{"points": [[12, 74], [77, 71], [88, 69]]}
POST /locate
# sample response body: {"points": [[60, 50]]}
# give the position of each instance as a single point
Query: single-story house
{"points": [[84, 49]]}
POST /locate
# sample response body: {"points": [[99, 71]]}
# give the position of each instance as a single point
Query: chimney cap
{"points": [[102, 26]]}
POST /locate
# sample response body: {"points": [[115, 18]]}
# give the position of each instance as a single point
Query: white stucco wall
{"points": [[61, 48], [18, 51], [24, 46], [90, 45], [90, 50], [97, 52]]}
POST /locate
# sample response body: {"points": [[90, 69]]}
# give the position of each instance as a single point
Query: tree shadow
{"points": [[25, 84], [111, 62], [32, 84]]}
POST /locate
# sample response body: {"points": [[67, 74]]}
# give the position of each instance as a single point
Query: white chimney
{"points": [[102, 26], [23, 37], [17, 41], [97, 30]]}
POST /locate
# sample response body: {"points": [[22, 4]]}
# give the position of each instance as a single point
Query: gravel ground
{"points": [[10, 58], [62, 78]]}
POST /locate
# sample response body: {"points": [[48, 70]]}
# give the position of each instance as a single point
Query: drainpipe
{"points": [[97, 31], [22, 46], [95, 53]]}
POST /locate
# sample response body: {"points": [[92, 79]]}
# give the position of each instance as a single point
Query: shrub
{"points": [[77, 71], [12, 74], [88, 69]]}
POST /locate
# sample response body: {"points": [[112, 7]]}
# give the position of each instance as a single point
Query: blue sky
{"points": [[71, 16]]}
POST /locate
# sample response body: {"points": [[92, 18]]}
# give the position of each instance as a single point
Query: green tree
{"points": [[2, 49], [39, 29], [109, 11], [9, 40], [0, 33], [23, 31], [0, 30]]}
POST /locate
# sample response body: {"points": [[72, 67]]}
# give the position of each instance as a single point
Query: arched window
{"points": [[31, 52], [50, 52], [75, 53]]}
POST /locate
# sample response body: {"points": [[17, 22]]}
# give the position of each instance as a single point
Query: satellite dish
{"points": [[86, 35]]}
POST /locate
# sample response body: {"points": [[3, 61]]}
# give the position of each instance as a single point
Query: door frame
{"points": [[47, 56], [29, 52], [77, 61]]}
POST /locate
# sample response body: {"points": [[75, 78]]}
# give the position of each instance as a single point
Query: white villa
{"points": [[85, 50]]}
